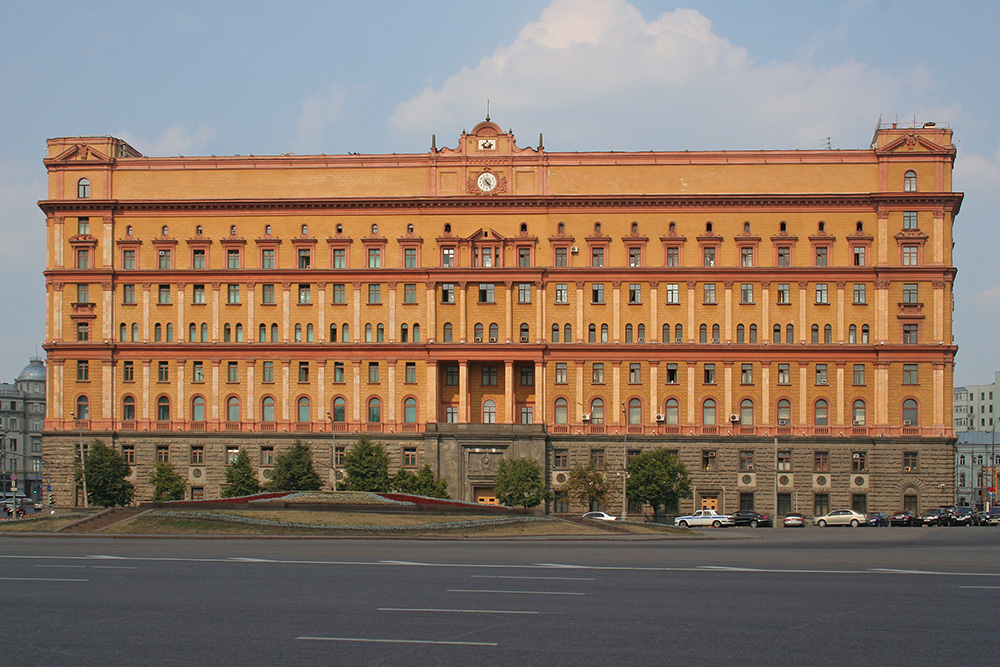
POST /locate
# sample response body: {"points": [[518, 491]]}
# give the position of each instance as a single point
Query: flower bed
{"points": [[229, 518], [426, 500], [340, 498]]}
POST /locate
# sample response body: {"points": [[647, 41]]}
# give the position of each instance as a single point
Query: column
{"points": [[841, 408], [215, 312], [145, 390], [766, 409], [432, 392], [580, 331], [285, 412], [764, 335], [581, 406], [689, 328], [654, 390], [181, 395], [321, 406], [145, 311], [882, 240], [356, 389], [691, 365], [508, 389], [324, 298], [938, 312], [940, 418], [654, 327], [540, 396], [463, 392], [251, 394], [616, 394], [728, 333], [802, 325], [727, 378], [213, 399], [392, 313], [616, 316], [432, 331], [882, 408], [391, 412], [937, 239], [356, 325], [463, 323], [181, 302], [802, 402], [881, 333], [107, 399], [508, 311], [841, 305], [540, 308]]}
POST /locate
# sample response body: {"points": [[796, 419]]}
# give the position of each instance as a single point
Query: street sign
{"points": [[13, 478]]}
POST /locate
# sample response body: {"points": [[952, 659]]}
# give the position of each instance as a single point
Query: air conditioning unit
{"points": [[524, 339], [162, 253], [822, 382], [642, 339], [560, 477], [660, 418], [492, 339], [859, 422], [479, 339], [574, 249], [782, 422], [734, 418], [907, 422], [585, 417]]}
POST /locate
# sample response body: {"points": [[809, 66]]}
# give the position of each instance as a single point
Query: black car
{"points": [[934, 518], [877, 519], [904, 518], [991, 518], [963, 516], [753, 519]]}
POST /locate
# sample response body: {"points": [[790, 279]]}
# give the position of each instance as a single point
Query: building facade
{"points": [[22, 418], [974, 405], [779, 319]]}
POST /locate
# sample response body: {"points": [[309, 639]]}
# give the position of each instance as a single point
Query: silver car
{"points": [[841, 518]]}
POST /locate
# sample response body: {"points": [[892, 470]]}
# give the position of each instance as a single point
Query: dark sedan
{"points": [[963, 516], [904, 518], [877, 519], [753, 519], [934, 518]]}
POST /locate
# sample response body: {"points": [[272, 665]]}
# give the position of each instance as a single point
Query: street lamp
{"points": [[993, 465], [83, 461], [625, 466], [333, 436]]}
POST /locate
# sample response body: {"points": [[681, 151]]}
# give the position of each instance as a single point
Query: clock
{"points": [[487, 181], [487, 144]]}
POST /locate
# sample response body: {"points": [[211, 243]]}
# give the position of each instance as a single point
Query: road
{"points": [[893, 596]]}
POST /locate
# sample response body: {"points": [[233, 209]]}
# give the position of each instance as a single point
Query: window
{"points": [[597, 458], [267, 456], [859, 255], [267, 258], [447, 257], [860, 295], [489, 411], [709, 293], [83, 371], [635, 373], [486, 293], [597, 293], [746, 293], [708, 412], [409, 293], [83, 188], [746, 256], [746, 412], [561, 373], [821, 374], [910, 374], [859, 462], [784, 412], [267, 293], [198, 371], [374, 258], [447, 293], [527, 375], [746, 460], [451, 414], [822, 255], [267, 375], [859, 374], [597, 257], [560, 459], [783, 374], [561, 257], [673, 257], [374, 294], [303, 409], [163, 294], [233, 294], [910, 255], [671, 411], [789, 333], [708, 459], [746, 374], [910, 293], [373, 372], [708, 256], [910, 462], [524, 257], [561, 412], [859, 412], [910, 181], [232, 409], [909, 220], [784, 461], [673, 296], [822, 295], [233, 371], [911, 334], [568, 333], [128, 371], [305, 293], [709, 373], [821, 504], [524, 292], [163, 371], [784, 292], [162, 454], [233, 259], [910, 415], [864, 334], [339, 258], [598, 373], [672, 373], [128, 259], [305, 258], [562, 293], [488, 376], [784, 256], [165, 257], [163, 409]]}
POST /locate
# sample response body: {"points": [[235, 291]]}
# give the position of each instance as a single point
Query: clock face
{"points": [[487, 144], [486, 181]]}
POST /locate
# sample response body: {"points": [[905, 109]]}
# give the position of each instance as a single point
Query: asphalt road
{"points": [[889, 596]]}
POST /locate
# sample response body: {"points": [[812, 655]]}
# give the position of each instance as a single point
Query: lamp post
{"points": [[333, 436], [625, 466], [83, 460], [993, 465]]}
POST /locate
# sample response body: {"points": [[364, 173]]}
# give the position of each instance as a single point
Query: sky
{"points": [[250, 77]]}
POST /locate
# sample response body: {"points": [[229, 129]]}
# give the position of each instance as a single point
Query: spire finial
{"points": [[487, 110]]}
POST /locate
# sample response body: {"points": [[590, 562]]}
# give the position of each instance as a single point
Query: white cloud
{"points": [[978, 171], [174, 140], [987, 298], [318, 113], [598, 70]]}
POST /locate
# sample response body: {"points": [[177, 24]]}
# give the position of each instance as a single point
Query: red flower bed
{"points": [[239, 499], [423, 500]]}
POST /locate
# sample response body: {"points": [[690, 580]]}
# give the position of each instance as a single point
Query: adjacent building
{"points": [[781, 320], [974, 406], [22, 418]]}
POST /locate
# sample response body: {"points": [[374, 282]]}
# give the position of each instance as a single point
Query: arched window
{"points": [[555, 333], [489, 411], [746, 227], [128, 408], [447, 332], [82, 407], [635, 228], [782, 226], [961, 479], [163, 409], [380, 333], [267, 409], [821, 226], [298, 332], [784, 412], [368, 333], [827, 333], [708, 412], [790, 333], [640, 332], [628, 333], [374, 230], [592, 333], [746, 412], [666, 333], [703, 333], [679, 333], [715, 333], [561, 228], [821, 412], [339, 409], [333, 332], [864, 334], [708, 227], [404, 333], [410, 410], [910, 181], [409, 229], [560, 413], [777, 334], [267, 230], [122, 332], [416, 333], [135, 333], [909, 412], [634, 411], [852, 333], [753, 333], [494, 331], [204, 332], [164, 231], [597, 411], [305, 230], [198, 409], [170, 332], [858, 412], [345, 333], [740, 333], [83, 188], [157, 332], [671, 411], [597, 229], [815, 333], [227, 334], [303, 410], [233, 409], [672, 227], [524, 332], [604, 333], [309, 333], [274, 333], [478, 332], [568, 333], [374, 410], [447, 228]]}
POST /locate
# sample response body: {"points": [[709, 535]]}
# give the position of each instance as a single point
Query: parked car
{"points": [[600, 516], [991, 518], [753, 519], [936, 517], [841, 518], [904, 518], [877, 519], [963, 516], [794, 520], [705, 518]]}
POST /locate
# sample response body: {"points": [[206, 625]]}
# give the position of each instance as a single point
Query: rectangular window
{"points": [[911, 335], [635, 256], [784, 293], [83, 258], [305, 293], [709, 293], [374, 294], [303, 371], [163, 294], [673, 294], [708, 256], [746, 460], [822, 255], [859, 255], [708, 459], [746, 374], [128, 294], [83, 371], [489, 376], [267, 259], [560, 459], [910, 293], [562, 293], [83, 293], [822, 294], [128, 259], [910, 462], [784, 461], [909, 220], [859, 462], [635, 373], [410, 375], [198, 259], [673, 257], [267, 293], [233, 259], [561, 373], [598, 374], [233, 371], [671, 373], [821, 461], [305, 258], [374, 258], [860, 293], [784, 256], [527, 414], [524, 292], [597, 459], [267, 375], [746, 256], [524, 257], [231, 454], [128, 371], [198, 294], [527, 375], [409, 258], [197, 455], [485, 256], [163, 371], [410, 457], [783, 374], [339, 258], [373, 372], [859, 374], [267, 456], [338, 371], [128, 452], [447, 257], [162, 454], [198, 371], [821, 504], [232, 294], [909, 255], [821, 374], [339, 293], [561, 257], [451, 414], [910, 374], [451, 376], [746, 293], [164, 261], [709, 373], [597, 293], [486, 293], [597, 257], [634, 293], [410, 293]]}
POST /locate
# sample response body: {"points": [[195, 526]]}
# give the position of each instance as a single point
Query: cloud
{"points": [[979, 172], [318, 113], [597, 70], [174, 140]]}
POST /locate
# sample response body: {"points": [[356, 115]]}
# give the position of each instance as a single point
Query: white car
{"points": [[841, 518], [600, 516], [705, 518]]}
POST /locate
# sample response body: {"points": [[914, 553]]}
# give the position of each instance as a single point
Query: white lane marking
{"points": [[989, 587], [472, 590], [65, 567], [113, 567], [395, 641], [512, 576], [933, 572], [254, 560], [37, 579], [461, 611]]}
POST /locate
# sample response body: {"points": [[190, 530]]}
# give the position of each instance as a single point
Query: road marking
{"points": [[37, 579], [941, 574], [989, 587], [471, 590], [65, 567], [462, 611], [113, 567], [395, 641], [511, 576]]}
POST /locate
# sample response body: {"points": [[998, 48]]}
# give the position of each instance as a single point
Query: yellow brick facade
{"points": [[489, 300]]}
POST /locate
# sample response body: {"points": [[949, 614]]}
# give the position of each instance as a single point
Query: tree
{"points": [[588, 485], [241, 480], [105, 471], [294, 471], [420, 484], [657, 478], [167, 483], [367, 467], [519, 482]]}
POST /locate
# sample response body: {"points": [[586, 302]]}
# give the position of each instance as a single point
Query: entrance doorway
{"points": [[710, 502], [485, 495]]}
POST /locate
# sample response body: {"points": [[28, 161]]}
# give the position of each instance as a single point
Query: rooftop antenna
{"points": [[827, 141], [487, 110]]}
